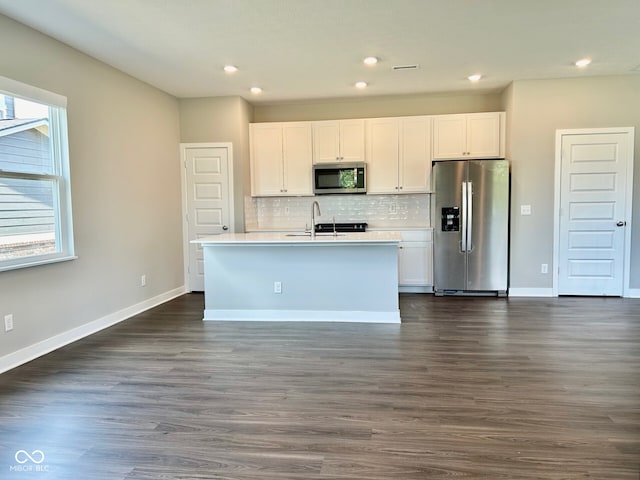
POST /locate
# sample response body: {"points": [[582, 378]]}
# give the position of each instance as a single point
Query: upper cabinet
{"points": [[281, 159], [398, 155], [338, 141], [473, 135]]}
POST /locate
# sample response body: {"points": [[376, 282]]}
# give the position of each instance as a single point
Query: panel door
{"points": [[266, 159], [298, 161], [415, 155], [382, 155], [488, 225], [207, 202], [592, 213]]}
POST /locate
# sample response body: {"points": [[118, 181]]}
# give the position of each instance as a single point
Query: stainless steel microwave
{"points": [[343, 177]]}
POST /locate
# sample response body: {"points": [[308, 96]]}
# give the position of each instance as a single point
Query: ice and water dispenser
{"points": [[450, 219]]}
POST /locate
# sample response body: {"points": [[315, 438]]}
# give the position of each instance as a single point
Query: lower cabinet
{"points": [[415, 261]]}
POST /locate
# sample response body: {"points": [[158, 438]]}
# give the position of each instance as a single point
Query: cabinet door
{"points": [[352, 140], [297, 158], [412, 264], [483, 135], [326, 141], [449, 137], [382, 155], [266, 159], [415, 155]]}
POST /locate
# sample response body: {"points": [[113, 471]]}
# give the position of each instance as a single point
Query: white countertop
{"points": [[300, 238]]}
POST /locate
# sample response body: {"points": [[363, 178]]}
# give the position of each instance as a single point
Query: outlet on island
{"points": [[277, 287]]}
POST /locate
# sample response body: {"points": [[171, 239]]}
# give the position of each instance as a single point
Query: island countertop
{"points": [[269, 238]]}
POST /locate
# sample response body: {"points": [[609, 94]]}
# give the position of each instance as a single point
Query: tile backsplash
{"points": [[382, 211]]}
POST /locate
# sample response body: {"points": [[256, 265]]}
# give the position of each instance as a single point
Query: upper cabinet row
{"points": [[398, 150]]}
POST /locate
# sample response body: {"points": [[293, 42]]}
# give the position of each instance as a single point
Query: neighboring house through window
{"points": [[35, 198]]}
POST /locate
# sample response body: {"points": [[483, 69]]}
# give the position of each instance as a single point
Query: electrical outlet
{"points": [[544, 268], [8, 322], [286, 211], [277, 287], [525, 209], [143, 280], [393, 208]]}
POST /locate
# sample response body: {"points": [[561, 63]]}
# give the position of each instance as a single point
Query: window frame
{"points": [[60, 176]]}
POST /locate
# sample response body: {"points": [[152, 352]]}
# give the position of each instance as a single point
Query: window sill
{"points": [[35, 263]]}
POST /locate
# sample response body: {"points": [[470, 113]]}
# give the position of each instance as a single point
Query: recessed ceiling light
{"points": [[256, 90], [370, 60], [230, 68], [583, 62], [361, 84], [475, 77]]}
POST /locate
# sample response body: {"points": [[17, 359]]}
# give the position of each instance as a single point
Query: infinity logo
{"points": [[37, 456]]}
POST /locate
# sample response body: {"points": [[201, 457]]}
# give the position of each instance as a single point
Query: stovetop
{"points": [[342, 227]]}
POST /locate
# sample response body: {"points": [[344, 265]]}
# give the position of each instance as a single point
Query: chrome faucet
{"points": [[315, 205]]}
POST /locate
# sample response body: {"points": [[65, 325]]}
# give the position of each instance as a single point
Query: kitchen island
{"points": [[349, 277]]}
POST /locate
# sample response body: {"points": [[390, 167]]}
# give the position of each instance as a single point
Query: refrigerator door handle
{"points": [[469, 205], [463, 241]]}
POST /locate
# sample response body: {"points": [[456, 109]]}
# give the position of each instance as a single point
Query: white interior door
{"points": [[208, 203], [594, 213]]}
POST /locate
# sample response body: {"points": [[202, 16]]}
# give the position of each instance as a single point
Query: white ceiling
{"points": [[313, 49]]}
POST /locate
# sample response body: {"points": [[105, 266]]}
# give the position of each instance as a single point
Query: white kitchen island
{"points": [[350, 277]]}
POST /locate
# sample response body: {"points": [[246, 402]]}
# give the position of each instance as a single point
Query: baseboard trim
{"points": [[26, 354], [301, 316], [531, 292], [633, 293], [415, 289]]}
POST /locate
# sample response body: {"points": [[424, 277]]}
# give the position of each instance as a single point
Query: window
{"points": [[35, 194]]}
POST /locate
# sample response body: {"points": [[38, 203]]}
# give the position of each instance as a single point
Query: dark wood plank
{"points": [[474, 388]]}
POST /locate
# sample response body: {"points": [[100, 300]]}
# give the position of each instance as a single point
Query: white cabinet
{"points": [[338, 141], [473, 135], [415, 261], [281, 159], [398, 155]]}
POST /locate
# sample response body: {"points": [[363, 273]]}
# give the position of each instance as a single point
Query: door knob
{"points": [[621, 224], [224, 227]]}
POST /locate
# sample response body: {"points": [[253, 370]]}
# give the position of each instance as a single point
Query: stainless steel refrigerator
{"points": [[471, 227]]}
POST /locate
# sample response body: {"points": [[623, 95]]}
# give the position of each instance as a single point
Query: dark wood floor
{"points": [[469, 388]]}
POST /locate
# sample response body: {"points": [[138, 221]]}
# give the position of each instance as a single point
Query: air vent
{"points": [[405, 67]]}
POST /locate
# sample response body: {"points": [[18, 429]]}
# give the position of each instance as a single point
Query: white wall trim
{"points": [[301, 316], [632, 293], [43, 347], [531, 292]]}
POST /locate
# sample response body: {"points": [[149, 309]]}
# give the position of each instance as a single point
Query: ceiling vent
{"points": [[400, 68]]}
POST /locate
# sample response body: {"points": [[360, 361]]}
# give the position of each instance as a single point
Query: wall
{"points": [[371, 107], [124, 151], [222, 119], [535, 109]]}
